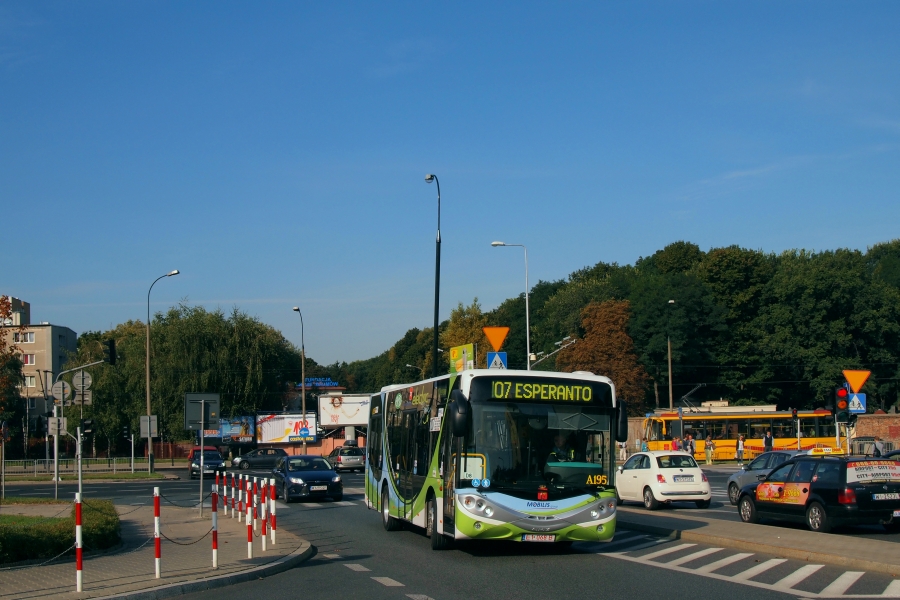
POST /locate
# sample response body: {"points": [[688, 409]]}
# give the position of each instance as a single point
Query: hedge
{"points": [[52, 536]]}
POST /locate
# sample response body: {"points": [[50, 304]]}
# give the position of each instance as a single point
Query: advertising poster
{"points": [[462, 358], [340, 410], [237, 430], [288, 428]]}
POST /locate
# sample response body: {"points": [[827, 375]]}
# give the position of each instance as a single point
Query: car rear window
{"points": [[676, 461], [351, 452], [864, 471]]}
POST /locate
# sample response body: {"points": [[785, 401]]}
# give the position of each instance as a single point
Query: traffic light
{"points": [[126, 431], [87, 426], [794, 414], [110, 352], [841, 405]]}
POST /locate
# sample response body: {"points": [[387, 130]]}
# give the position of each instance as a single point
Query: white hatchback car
{"points": [[662, 476]]}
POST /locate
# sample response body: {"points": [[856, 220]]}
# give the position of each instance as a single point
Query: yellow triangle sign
{"points": [[856, 379], [496, 336]]}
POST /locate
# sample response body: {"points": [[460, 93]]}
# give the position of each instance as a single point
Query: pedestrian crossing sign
{"points": [[496, 360], [857, 404]]}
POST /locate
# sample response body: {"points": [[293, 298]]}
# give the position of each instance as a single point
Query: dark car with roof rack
{"points": [[824, 490]]}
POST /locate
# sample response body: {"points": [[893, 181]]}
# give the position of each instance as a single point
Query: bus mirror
{"points": [[622, 422], [459, 413]]}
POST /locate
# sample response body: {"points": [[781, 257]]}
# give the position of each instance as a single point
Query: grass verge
{"points": [[89, 476], [43, 538]]}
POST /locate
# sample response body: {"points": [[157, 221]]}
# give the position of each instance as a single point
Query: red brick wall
{"points": [[887, 427]]}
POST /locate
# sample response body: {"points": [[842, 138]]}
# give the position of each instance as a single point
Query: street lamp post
{"points": [[669, 342], [527, 315], [147, 368], [302, 375], [437, 276]]}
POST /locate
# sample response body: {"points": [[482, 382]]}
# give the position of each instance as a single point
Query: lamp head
{"points": [[429, 178], [495, 244], [296, 309], [175, 272], [671, 302]]}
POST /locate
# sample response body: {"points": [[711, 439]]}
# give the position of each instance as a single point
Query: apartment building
{"points": [[44, 348]]}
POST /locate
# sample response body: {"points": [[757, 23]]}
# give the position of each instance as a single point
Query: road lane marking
{"points": [[694, 556], [311, 504], [649, 544], [797, 576], [665, 551], [387, 581], [356, 567], [723, 562], [331, 555], [760, 568], [842, 584], [419, 597], [345, 503], [629, 540], [893, 589]]}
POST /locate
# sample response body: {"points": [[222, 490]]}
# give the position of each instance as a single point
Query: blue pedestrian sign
{"points": [[496, 360], [857, 404]]}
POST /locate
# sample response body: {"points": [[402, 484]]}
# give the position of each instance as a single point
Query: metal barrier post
{"points": [[272, 506], [255, 502], [232, 495], [215, 526], [78, 547], [249, 527], [240, 498], [156, 540]]}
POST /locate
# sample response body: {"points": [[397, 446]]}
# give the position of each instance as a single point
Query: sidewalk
{"points": [[854, 553], [186, 567]]}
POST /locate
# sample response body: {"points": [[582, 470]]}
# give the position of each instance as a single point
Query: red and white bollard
{"points": [[156, 540], [262, 517], [272, 507], [78, 548], [255, 502], [249, 527], [232, 495], [240, 498], [215, 527]]}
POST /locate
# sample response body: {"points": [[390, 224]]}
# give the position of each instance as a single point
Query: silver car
{"points": [[347, 458], [761, 466]]}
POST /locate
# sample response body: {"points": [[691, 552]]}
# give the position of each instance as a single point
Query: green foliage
{"points": [[42, 538]]}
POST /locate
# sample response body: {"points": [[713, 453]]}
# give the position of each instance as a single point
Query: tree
{"points": [[10, 360], [607, 349], [465, 327]]}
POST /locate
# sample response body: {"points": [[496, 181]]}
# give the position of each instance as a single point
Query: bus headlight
{"points": [[468, 501], [488, 511], [479, 505], [595, 514]]}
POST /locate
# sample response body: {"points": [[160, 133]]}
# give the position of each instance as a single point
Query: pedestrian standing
{"points": [[879, 447], [623, 451], [709, 447], [768, 441], [644, 446], [739, 455]]}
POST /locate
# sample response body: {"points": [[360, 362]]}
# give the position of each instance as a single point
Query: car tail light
{"points": [[339, 458], [705, 478], [847, 496], [542, 493], [660, 478]]}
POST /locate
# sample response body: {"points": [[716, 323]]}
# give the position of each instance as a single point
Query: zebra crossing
{"points": [[794, 577]]}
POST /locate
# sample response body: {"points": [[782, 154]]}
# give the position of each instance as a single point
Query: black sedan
{"points": [[307, 476], [212, 463]]}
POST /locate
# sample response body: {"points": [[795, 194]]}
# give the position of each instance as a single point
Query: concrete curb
{"points": [[781, 551], [298, 556]]}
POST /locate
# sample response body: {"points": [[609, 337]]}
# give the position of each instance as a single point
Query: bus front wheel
{"points": [[389, 522], [438, 540]]}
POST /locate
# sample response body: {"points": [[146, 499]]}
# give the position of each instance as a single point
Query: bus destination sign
{"points": [[540, 389]]}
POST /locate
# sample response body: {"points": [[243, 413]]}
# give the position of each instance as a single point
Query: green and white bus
{"points": [[497, 455]]}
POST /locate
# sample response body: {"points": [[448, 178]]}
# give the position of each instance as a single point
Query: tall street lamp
{"points": [[437, 276], [669, 341], [302, 375], [527, 316], [147, 367]]}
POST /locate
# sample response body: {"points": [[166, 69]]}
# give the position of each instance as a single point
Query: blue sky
{"points": [[275, 153]]}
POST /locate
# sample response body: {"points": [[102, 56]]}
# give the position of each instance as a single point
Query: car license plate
{"points": [[538, 537], [897, 513], [683, 478], [318, 488], [894, 496]]}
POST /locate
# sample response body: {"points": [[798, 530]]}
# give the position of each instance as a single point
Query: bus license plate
{"points": [[683, 478], [535, 537], [894, 496], [318, 488]]}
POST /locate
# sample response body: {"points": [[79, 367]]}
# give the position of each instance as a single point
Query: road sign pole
{"points": [[56, 456], [132, 453], [202, 439], [78, 433]]}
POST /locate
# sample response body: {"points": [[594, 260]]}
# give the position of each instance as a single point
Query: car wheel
{"points": [[338, 498], [703, 503], [816, 519], [733, 493], [389, 522], [284, 493], [439, 541], [650, 501], [245, 465], [619, 500], [747, 510]]}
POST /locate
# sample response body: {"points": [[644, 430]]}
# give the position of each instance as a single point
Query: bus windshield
{"points": [[521, 447]]}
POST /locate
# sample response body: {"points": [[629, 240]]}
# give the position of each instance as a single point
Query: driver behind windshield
{"points": [[561, 452]]}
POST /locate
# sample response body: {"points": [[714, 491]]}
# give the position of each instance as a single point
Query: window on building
{"points": [[28, 359], [62, 340], [32, 404], [24, 338], [30, 381]]}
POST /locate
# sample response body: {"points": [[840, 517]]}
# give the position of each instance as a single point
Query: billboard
{"points": [[340, 410], [237, 430], [462, 358], [285, 428]]}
